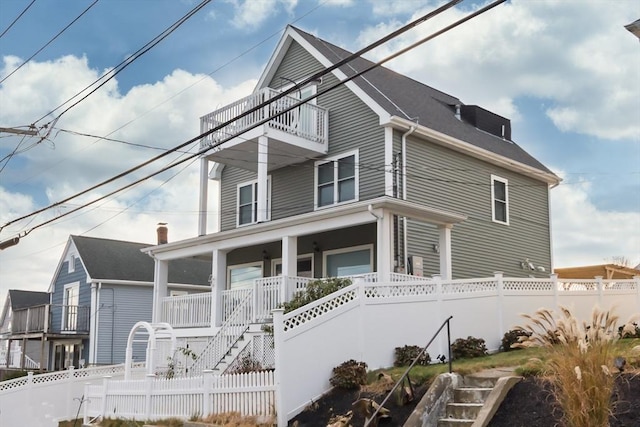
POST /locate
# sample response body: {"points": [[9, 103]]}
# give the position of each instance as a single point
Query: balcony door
{"points": [[70, 307]]}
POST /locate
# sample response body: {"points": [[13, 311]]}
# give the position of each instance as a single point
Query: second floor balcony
{"points": [[52, 319], [293, 135]]}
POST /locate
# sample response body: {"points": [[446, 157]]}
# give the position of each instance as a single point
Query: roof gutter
{"points": [[479, 153]]}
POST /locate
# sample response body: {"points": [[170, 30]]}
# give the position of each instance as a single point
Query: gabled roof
{"points": [[23, 299], [106, 260], [408, 99]]}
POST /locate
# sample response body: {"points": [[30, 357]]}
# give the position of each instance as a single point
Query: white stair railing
{"points": [[229, 334]]}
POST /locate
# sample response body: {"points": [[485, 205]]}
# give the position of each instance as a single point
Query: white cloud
{"points": [[574, 55], [583, 234], [251, 14]]}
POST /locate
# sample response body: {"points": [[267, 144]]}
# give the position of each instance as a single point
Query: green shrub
{"points": [[468, 348], [405, 356], [246, 364], [315, 290], [349, 375], [512, 337]]}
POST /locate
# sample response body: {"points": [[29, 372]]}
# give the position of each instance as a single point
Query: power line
{"points": [[50, 41], [124, 64], [258, 107], [285, 93], [18, 17]]}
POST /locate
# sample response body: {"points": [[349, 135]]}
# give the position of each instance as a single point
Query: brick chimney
{"points": [[163, 233]]}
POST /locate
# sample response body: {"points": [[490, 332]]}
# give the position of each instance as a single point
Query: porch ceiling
{"points": [[312, 222]]}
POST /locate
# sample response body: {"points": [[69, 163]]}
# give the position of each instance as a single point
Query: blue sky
{"points": [[566, 72]]}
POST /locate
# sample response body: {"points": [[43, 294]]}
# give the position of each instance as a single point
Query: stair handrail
{"points": [[217, 342], [415, 360]]}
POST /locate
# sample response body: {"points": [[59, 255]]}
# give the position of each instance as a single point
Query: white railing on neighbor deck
{"points": [[187, 311], [307, 121], [154, 398], [44, 399], [368, 319]]}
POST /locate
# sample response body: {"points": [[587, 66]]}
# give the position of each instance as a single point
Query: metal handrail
{"points": [[415, 360]]}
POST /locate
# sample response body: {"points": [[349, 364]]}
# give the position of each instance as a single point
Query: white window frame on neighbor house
{"points": [[258, 264], [65, 326], [336, 180], [348, 250], [72, 263], [494, 200], [278, 261], [254, 201]]}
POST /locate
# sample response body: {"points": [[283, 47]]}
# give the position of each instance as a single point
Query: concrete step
{"points": [[452, 422], [463, 411], [471, 394], [479, 381]]}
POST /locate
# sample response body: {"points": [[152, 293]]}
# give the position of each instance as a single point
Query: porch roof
{"points": [[321, 220]]}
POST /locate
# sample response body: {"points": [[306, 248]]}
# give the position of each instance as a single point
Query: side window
{"points": [[248, 202], [499, 199], [336, 180]]}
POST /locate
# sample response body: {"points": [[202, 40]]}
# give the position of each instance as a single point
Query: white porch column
{"points": [[385, 246], [289, 265], [444, 236], [204, 191], [263, 159], [218, 284], [160, 279]]}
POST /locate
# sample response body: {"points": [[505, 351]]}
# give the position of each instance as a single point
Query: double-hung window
{"points": [[499, 199], [248, 202], [337, 180]]}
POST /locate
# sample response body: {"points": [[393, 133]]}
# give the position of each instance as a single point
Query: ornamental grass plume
{"points": [[579, 355]]}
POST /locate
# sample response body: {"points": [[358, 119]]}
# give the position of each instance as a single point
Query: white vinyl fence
{"points": [[154, 398], [367, 320], [43, 400]]}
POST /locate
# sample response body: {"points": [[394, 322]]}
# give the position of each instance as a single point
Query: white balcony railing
{"points": [[187, 311], [307, 121]]}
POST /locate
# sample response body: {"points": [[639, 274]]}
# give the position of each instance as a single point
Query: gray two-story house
{"points": [[380, 178]]}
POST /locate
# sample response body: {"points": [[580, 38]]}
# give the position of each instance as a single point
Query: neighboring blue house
{"points": [[99, 290]]}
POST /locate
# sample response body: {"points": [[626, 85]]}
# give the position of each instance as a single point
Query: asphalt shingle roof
{"points": [[107, 259], [405, 97], [23, 299]]}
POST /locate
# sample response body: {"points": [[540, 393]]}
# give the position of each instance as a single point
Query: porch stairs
{"points": [[228, 342]]}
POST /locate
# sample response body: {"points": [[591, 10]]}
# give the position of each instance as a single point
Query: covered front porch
{"points": [[262, 266]]}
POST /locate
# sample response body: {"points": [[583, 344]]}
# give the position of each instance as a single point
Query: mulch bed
{"points": [[530, 404], [338, 402]]}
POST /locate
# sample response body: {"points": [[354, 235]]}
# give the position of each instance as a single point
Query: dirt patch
{"points": [[338, 402], [530, 404]]}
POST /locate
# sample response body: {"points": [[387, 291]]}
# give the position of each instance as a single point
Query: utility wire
{"points": [[122, 65], [50, 41], [295, 105], [18, 17], [256, 108]]}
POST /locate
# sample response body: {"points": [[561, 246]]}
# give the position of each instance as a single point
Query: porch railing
{"points": [[187, 311], [51, 318], [307, 121]]}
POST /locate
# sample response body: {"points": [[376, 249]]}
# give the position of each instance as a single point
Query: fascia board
{"points": [[479, 153]]}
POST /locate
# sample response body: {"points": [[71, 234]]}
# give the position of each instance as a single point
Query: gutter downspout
{"points": [[404, 196]]}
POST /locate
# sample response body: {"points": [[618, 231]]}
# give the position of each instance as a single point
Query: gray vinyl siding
{"points": [[442, 178], [352, 125], [120, 308]]}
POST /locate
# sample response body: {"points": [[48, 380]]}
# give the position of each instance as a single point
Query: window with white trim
{"points": [[348, 261], [243, 275], [336, 180], [304, 266], [499, 199], [72, 263], [248, 202], [71, 299]]}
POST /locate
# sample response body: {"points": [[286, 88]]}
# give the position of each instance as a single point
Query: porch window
{"points": [[336, 180], [70, 307], [348, 261], [499, 199], [242, 276], [304, 267], [248, 202]]}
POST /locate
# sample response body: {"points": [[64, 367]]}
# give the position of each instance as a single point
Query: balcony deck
{"points": [[72, 319], [294, 135]]}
